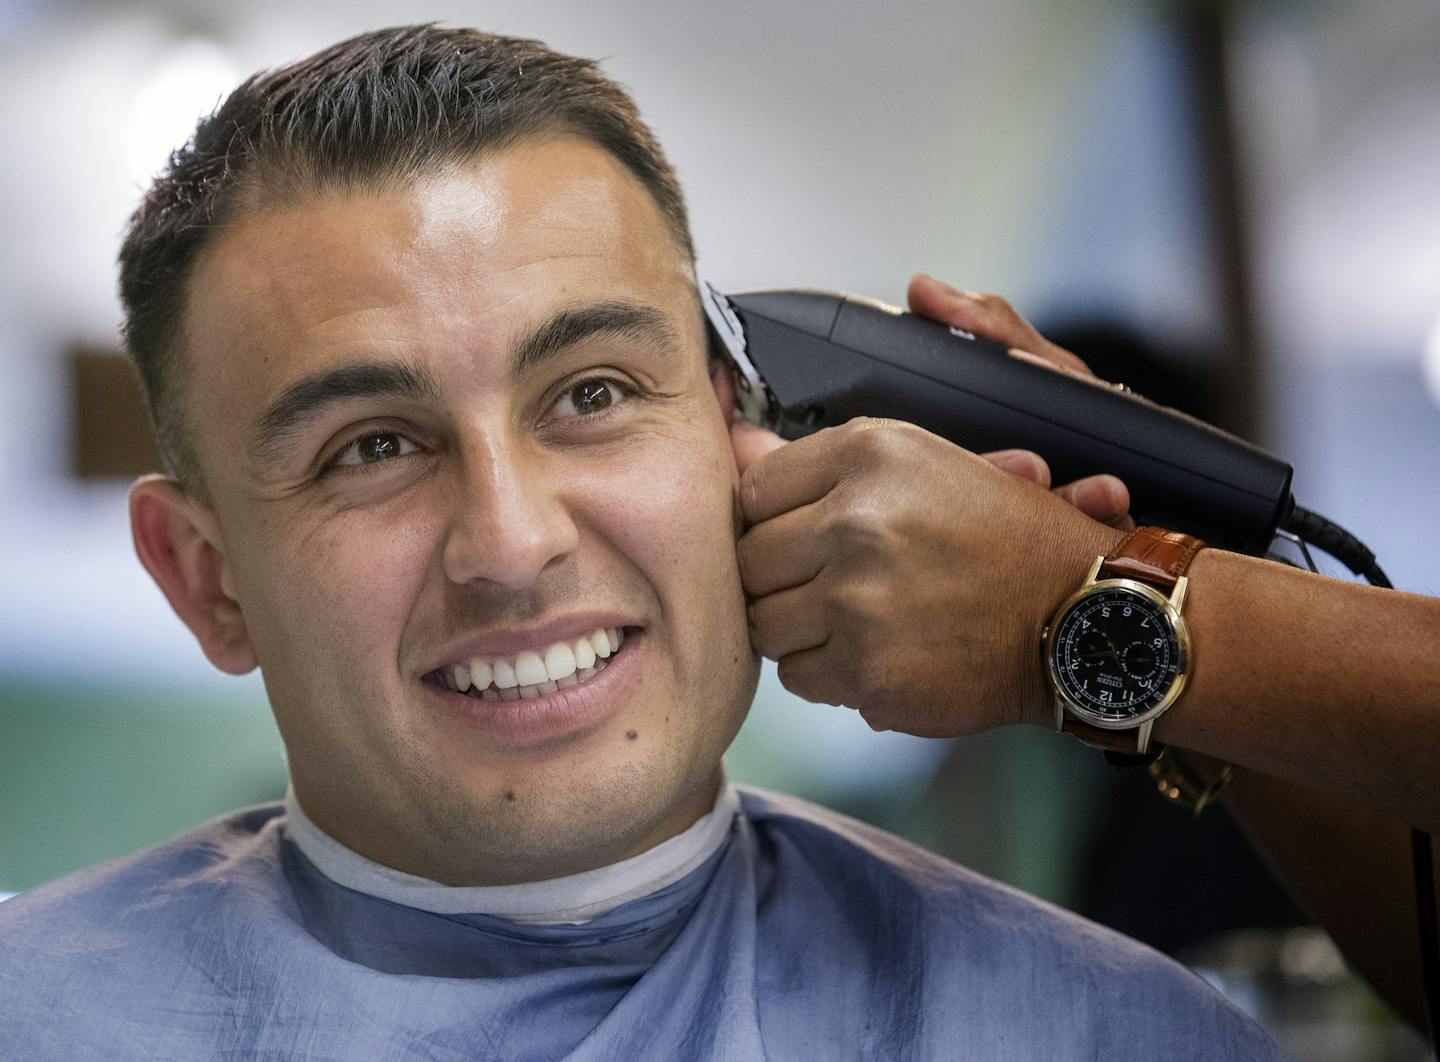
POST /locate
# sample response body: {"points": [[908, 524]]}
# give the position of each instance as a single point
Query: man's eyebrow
{"points": [[310, 395], [571, 326]]}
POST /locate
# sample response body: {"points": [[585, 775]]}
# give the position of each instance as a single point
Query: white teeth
{"points": [[533, 674], [559, 661], [529, 669], [480, 673]]}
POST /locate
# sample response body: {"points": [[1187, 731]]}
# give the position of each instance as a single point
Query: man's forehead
{"points": [[304, 263], [488, 241]]}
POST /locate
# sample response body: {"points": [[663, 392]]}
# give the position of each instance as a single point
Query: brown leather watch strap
{"points": [[1152, 555], [1109, 740]]}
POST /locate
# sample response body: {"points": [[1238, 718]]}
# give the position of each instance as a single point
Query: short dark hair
{"points": [[390, 104]]}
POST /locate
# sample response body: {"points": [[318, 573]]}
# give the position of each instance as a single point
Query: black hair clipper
{"points": [[806, 360]]}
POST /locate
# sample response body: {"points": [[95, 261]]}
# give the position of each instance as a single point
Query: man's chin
{"points": [[553, 823]]}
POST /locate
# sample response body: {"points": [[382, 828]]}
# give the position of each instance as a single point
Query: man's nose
{"points": [[508, 522]]}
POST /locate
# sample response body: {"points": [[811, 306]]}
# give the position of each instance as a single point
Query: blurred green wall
{"points": [[88, 773]]}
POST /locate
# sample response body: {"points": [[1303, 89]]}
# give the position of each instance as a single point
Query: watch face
{"points": [[1115, 655]]}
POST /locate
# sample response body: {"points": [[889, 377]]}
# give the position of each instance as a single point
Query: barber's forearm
{"points": [[1324, 683]]}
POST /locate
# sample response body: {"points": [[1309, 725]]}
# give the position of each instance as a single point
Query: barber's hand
{"points": [[896, 573]]}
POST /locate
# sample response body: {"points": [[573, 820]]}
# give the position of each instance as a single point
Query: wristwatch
{"points": [[1118, 651]]}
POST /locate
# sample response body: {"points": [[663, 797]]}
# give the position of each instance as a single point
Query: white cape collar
{"points": [[572, 900]]}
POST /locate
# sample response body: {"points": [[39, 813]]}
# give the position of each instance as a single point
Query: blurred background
{"points": [[1233, 207]]}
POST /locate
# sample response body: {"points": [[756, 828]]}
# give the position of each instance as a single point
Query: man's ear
{"points": [[179, 544], [722, 378], [748, 441]]}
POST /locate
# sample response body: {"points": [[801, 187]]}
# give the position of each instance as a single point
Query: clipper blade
{"points": [[756, 403]]}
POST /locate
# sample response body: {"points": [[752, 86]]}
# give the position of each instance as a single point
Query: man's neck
{"points": [[573, 899]]}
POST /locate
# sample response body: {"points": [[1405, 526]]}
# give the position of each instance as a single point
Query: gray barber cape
{"points": [[805, 936]]}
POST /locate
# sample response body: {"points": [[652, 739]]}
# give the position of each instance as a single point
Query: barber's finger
{"points": [[1022, 464], [792, 475], [784, 551], [983, 313], [751, 442], [810, 674], [787, 622], [1104, 498], [990, 316]]}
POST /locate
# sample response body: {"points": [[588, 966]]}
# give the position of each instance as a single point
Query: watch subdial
{"points": [[1140, 662], [1095, 648]]}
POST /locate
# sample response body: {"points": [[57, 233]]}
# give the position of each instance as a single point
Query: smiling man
{"points": [[464, 435], [418, 324]]}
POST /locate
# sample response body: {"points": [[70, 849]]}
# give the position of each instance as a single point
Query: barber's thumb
{"points": [[751, 442]]}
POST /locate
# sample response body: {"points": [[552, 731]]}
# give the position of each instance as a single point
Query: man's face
{"points": [[470, 417]]}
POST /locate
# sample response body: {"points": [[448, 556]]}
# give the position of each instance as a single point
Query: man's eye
{"points": [[591, 396], [373, 448]]}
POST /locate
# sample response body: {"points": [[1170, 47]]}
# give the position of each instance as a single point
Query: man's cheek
{"points": [[338, 580], [661, 482]]}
